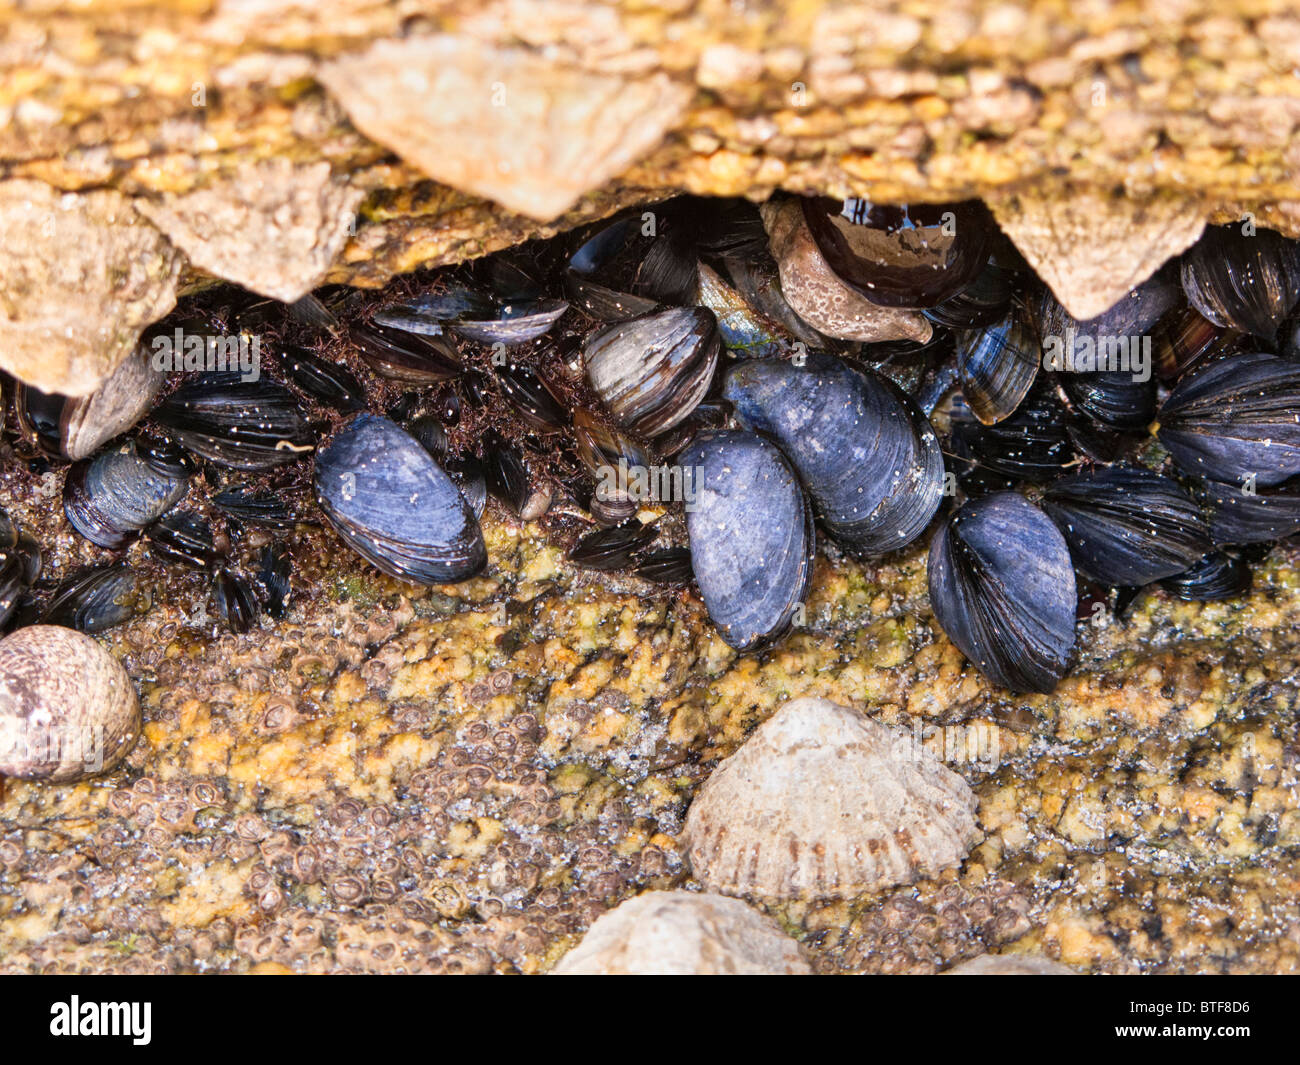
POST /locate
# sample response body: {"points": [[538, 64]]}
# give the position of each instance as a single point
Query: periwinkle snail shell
{"points": [[68, 710]]}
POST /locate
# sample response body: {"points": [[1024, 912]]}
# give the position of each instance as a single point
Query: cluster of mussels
{"points": [[784, 363]]}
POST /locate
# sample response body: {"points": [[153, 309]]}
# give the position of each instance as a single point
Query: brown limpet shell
{"points": [[822, 802], [68, 710]]}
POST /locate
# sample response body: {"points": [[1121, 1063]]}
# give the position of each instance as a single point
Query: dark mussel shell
{"points": [[1187, 338], [427, 428], [274, 567], [1218, 575], [326, 382], [512, 323], [669, 565], [867, 456], [1003, 589], [244, 425], [651, 372], [403, 356], [613, 549], [235, 600], [532, 398], [1034, 445], [589, 261], [751, 536], [183, 537], [111, 497], [1246, 281], [1236, 420], [471, 478], [384, 494], [244, 503], [507, 475], [1128, 526], [429, 315], [916, 255], [605, 451], [20, 565], [997, 366], [1105, 365], [757, 280], [982, 302], [95, 599], [1240, 515]]}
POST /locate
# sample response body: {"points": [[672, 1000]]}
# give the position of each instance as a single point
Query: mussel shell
{"points": [[612, 549], [20, 566], [274, 567], [1248, 282], [1113, 399], [602, 302], [1003, 589], [917, 255], [507, 475], [985, 300], [600, 446], [108, 499], [668, 565], [867, 456], [94, 599], [391, 502], [182, 537], [236, 603], [256, 508], [428, 315], [513, 323], [1236, 420], [1128, 526], [1186, 339], [326, 382], [751, 536], [745, 332], [997, 367], [1242, 516], [757, 280], [470, 477], [1034, 445], [652, 371], [1218, 575], [427, 428], [403, 356], [243, 425], [532, 398]]}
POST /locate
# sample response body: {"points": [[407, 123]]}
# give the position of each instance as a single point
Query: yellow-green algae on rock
{"points": [[464, 778]]}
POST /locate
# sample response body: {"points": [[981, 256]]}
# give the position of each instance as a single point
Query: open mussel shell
{"points": [[1236, 420], [1127, 525], [76, 427], [1003, 589], [916, 255], [384, 494], [512, 323], [403, 356], [243, 425], [1218, 575], [997, 366], [325, 381], [867, 456], [751, 536], [1242, 514], [108, 499], [95, 599], [1248, 281], [650, 372]]}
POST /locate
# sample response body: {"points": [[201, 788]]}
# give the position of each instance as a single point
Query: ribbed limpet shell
{"points": [[821, 802], [68, 710], [682, 933]]}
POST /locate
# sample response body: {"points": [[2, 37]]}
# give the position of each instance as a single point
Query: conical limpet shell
{"points": [[682, 933], [1010, 965], [823, 802], [67, 708]]}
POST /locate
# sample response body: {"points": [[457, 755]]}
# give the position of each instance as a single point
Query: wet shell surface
{"points": [[68, 709], [682, 933], [822, 802]]}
